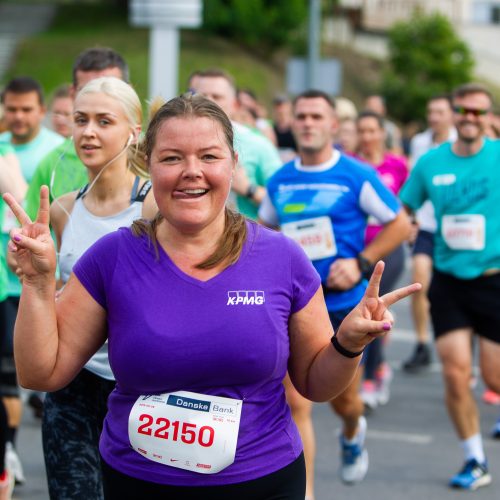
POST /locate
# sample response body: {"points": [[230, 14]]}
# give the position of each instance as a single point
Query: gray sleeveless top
{"points": [[82, 230]]}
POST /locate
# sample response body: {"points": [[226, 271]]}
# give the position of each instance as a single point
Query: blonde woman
{"points": [[107, 122]]}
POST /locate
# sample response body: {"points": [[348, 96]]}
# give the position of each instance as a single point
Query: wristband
{"points": [[252, 189], [365, 266], [343, 350]]}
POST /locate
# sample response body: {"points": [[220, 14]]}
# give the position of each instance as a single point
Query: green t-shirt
{"points": [[3, 262], [29, 155], [260, 160], [4, 149], [69, 175], [464, 192]]}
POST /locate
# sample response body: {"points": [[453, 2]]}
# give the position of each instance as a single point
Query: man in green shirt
{"points": [[258, 157]]}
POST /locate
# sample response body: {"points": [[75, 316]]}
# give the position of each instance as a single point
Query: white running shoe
{"points": [[354, 457], [369, 394], [13, 464]]}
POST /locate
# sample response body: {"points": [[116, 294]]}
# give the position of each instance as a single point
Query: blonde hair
{"points": [[230, 244], [131, 105]]}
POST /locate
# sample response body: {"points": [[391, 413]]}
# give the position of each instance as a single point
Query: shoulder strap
{"points": [[82, 191], [143, 192]]}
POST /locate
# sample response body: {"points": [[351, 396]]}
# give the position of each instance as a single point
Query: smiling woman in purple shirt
{"points": [[204, 312]]}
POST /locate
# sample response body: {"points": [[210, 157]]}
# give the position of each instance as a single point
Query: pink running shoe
{"points": [[491, 398]]}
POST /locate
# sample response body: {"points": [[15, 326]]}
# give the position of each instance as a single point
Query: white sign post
{"points": [[165, 18]]}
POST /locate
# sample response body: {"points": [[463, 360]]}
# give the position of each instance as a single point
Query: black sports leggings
{"points": [[288, 483], [394, 267]]}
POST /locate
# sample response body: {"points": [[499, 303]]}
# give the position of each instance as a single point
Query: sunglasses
{"points": [[465, 111]]}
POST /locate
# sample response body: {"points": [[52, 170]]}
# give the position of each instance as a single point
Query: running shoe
{"points": [[13, 464], [491, 398], [419, 360], [472, 476], [369, 394], [495, 432], [384, 379], [354, 458]]}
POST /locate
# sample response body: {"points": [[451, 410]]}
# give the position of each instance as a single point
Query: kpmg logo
{"points": [[245, 298]]}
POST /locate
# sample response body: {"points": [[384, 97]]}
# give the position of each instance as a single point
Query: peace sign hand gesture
{"points": [[371, 318], [32, 243]]}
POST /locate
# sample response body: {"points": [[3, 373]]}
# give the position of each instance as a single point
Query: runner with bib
{"points": [[461, 180], [322, 200], [204, 312]]}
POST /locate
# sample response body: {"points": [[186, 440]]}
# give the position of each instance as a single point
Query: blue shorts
{"points": [[424, 244]]}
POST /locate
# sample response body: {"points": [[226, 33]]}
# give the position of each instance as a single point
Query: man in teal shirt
{"points": [[461, 180], [24, 111], [23, 102], [258, 158]]}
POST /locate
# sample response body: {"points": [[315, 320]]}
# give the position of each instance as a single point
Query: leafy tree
{"points": [[263, 24], [426, 57]]}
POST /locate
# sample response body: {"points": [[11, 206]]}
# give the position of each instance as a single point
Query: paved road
{"points": [[413, 450]]}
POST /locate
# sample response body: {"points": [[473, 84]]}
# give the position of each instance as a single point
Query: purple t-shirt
{"points": [[170, 332]]}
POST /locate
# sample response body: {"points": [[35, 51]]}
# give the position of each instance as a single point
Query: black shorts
{"points": [[8, 379], [457, 303], [288, 483], [424, 243]]}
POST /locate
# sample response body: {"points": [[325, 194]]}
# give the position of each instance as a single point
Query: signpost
{"points": [[165, 18], [314, 73]]}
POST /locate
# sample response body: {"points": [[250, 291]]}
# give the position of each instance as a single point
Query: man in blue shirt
{"points": [[461, 180], [322, 200]]}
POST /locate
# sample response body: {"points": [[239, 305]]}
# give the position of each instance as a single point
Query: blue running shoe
{"points": [[354, 458], [495, 432], [472, 476]]}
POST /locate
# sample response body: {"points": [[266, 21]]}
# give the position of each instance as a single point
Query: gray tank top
{"points": [[82, 230]]}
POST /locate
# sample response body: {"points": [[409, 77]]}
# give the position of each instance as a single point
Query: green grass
{"points": [[49, 56]]}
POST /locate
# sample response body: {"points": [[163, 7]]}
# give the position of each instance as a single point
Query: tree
{"points": [[426, 57], [259, 24]]}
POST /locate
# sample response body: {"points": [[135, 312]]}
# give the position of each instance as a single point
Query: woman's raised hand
{"points": [[371, 317], [32, 243]]}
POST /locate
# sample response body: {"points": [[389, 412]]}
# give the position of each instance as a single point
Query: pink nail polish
{"points": [[17, 237], [386, 326]]}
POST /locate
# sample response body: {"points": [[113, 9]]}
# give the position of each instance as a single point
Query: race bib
{"points": [[464, 232], [186, 430], [315, 236]]}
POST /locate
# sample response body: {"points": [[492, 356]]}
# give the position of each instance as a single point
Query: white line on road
{"points": [[400, 436]]}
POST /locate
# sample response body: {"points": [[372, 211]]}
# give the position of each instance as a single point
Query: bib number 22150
{"points": [[186, 430]]}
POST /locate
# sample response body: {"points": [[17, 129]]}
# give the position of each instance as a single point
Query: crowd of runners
{"points": [[173, 283]]}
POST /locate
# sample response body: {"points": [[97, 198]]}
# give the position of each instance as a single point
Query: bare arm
{"points": [[11, 177], [389, 238], [52, 341], [241, 183], [318, 371], [345, 273]]}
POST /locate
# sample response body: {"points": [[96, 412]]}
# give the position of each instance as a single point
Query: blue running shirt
{"points": [[343, 190]]}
